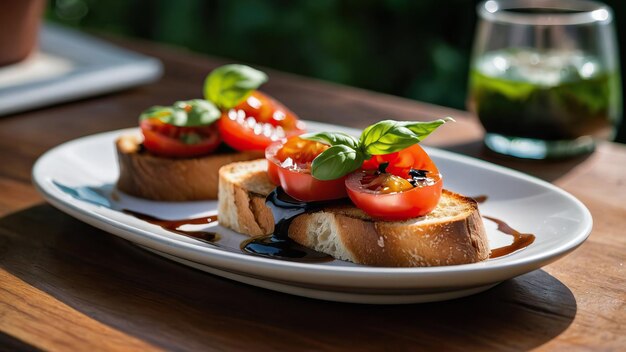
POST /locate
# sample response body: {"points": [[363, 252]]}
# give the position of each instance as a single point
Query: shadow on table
{"points": [[549, 170], [170, 305]]}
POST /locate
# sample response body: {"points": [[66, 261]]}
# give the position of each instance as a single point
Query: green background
{"points": [[418, 49]]}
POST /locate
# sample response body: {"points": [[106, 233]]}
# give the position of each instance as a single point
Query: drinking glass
{"points": [[544, 78]]}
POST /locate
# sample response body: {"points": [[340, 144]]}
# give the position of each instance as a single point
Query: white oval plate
{"points": [[78, 177]]}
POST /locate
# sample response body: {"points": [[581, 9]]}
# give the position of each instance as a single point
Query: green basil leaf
{"points": [[335, 162], [390, 136], [166, 114], [229, 85], [190, 113], [332, 138], [199, 112]]}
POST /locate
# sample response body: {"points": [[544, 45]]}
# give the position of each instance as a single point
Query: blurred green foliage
{"points": [[416, 49], [400, 47]]}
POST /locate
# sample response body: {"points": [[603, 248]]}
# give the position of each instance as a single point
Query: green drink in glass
{"points": [[557, 92]]}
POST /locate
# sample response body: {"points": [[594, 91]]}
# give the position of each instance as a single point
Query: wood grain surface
{"points": [[67, 286]]}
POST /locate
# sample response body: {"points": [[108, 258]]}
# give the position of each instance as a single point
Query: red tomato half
{"points": [[400, 163], [411, 203], [172, 141], [289, 166], [257, 122]]}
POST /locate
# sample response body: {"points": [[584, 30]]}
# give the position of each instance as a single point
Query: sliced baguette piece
{"points": [[243, 187], [451, 234], [170, 179]]}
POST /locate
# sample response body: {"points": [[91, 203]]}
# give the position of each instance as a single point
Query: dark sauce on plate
{"points": [[520, 240], [282, 248], [278, 245], [174, 225]]}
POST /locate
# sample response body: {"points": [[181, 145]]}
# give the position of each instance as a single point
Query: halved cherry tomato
{"points": [[384, 196], [257, 122], [172, 141], [385, 182], [289, 166], [400, 163]]}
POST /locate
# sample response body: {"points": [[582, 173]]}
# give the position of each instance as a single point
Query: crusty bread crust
{"points": [[169, 179], [448, 237], [452, 234], [243, 187]]}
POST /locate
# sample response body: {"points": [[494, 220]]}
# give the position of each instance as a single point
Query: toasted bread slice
{"points": [[451, 234], [241, 206], [159, 178]]}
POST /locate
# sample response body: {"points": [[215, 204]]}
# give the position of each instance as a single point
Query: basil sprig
{"points": [[347, 153], [336, 161], [224, 88], [333, 138], [228, 85], [190, 113]]}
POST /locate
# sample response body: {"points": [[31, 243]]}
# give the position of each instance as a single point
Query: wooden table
{"points": [[65, 285]]}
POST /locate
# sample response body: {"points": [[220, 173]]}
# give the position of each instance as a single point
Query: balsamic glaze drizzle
{"points": [[285, 209], [278, 245], [520, 240], [174, 225]]}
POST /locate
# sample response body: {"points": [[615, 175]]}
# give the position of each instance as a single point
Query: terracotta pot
{"points": [[20, 26]]}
